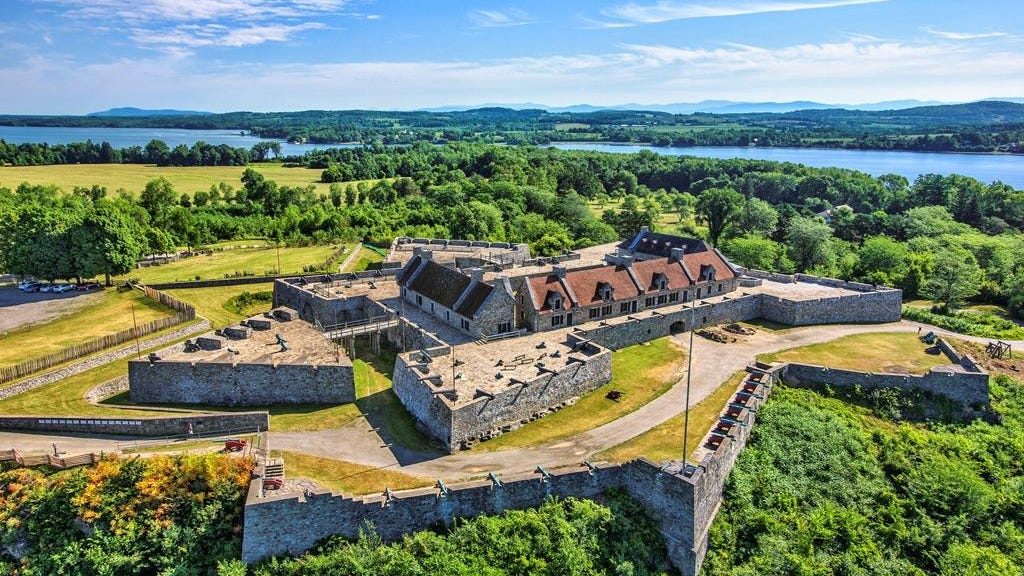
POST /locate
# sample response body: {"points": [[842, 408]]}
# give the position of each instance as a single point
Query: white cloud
{"points": [[843, 71], [633, 14], [499, 18], [965, 35], [195, 36], [197, 10]]}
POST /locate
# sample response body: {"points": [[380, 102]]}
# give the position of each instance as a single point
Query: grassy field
{"points": [[252, 261], [643, 372], [348, 477], [363, 260], [665, 441], [209, 302], [883, 352], [133, 177], [111, 312]]}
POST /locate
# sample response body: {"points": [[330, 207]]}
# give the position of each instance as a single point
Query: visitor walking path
{"points": [[357, 442]]}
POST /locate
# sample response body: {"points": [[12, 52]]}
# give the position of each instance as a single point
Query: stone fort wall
{"points": [[239, 384], [223, 423], [486, 416]]}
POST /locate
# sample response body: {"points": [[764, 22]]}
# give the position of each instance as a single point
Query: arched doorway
{"points": [[677, 327]]}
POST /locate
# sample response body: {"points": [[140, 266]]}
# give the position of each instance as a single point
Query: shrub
{"points": [[967, 322]]}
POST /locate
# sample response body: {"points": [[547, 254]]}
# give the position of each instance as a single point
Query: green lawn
{"points": [[643, 372], [878, 352], [665, 441], [109, 311], [348, 477], [363, 260], [133, 177], [251, 261], [209, 302]]}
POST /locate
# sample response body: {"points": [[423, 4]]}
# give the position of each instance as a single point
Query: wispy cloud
{"points": [[500, 18], [965, 35], [634, 14], [195, 36], [198, 10], [840, 71]]}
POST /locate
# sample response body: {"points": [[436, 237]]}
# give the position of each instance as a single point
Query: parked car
{"points": [[34, 287], [26, 284], [62, 288], [47, 287], [88, 287]]}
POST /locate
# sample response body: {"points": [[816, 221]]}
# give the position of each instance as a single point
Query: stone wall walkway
{"points": [[99, 360]]}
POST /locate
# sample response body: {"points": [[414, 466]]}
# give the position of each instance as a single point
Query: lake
{"points": [[125, 137], [984, 167]]}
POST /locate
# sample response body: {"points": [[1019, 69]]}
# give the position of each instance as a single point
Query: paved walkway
{"points": [[714, 363]]}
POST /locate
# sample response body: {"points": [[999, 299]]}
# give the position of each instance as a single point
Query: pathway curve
{"points": [[100, 359], [714, 363]]}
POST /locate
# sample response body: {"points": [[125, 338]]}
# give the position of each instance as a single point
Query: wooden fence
{"points": [[48, 460], [183, 313]]}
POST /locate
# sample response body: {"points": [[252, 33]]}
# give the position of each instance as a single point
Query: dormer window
{"points": [[707, 273], [660, 282], [604, 291], [554, 300]]}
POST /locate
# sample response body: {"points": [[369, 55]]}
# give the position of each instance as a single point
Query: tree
{"points": [[107, 242], [882, 260], [759, 253], [758, 217], [157, 198], [955, 277], [809, 243], [718, 208]]}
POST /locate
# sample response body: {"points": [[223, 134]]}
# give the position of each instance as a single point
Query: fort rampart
{"points": [[205, 424]]}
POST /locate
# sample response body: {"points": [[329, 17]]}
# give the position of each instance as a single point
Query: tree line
{"points": [[951, 238], [155, 152]]}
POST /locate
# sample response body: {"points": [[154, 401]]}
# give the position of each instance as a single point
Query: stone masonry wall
{"points": [[651, 325], [156, 427], [419, 399], [315, 308], [520, 403], [967, 388], [241, 384]]}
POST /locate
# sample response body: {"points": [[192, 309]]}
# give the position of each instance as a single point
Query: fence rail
{"points": [[47, 460], [183, 313]]}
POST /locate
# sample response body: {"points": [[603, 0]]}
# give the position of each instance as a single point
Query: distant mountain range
{"points": [[715, 106], [134, 112]]}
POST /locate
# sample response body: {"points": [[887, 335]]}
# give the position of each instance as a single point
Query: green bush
{"points": [[967, 322], [241, 303]]}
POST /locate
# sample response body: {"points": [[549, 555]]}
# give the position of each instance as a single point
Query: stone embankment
{"points": [[99, 360]]}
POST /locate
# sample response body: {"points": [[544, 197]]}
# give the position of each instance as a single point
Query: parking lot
{"points": [[19, 309]]}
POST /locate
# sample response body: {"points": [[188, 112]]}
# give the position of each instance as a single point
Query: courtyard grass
{"points": [[348, 477], [133, 177], [665, 441], [260, 261], [642, 372], [209, 302], [899, 352], [108, 312]]}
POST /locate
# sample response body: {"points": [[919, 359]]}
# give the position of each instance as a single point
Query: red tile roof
{"points": [[541, 285], [584, 281], [646, 269], [710, 257]]}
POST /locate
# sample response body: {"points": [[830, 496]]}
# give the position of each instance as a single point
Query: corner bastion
{"points": [[247, 365]]}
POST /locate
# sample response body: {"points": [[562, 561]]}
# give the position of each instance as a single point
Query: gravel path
{"points": [[99, 360]]}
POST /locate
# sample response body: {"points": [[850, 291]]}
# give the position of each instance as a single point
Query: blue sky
{"points": [[78, 56]]}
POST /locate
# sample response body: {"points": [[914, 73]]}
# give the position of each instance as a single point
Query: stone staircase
{"points": [[274, 468]]}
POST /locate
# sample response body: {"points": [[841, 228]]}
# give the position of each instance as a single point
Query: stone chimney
{"points": [[476, 274], [677, 254], [423, 253], [644, 229], [558, 271], [620, 258]]}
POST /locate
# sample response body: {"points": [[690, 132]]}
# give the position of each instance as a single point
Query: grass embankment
{"points": [[642, 372], [365, 259], [209, 302], [348, 477], [108, 312], [133, 177], [826, 487], [899, 352], [233, 262], [665, 441], [972, 323]]}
